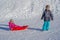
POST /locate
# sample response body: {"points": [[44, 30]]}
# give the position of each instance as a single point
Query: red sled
{"points": [[14, 27]]}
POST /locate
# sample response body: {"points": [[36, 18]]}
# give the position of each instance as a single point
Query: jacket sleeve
{"points": [[43, 15], [51, 15]]}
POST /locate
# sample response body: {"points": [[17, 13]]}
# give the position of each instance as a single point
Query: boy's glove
{"points": [[41, 18]]}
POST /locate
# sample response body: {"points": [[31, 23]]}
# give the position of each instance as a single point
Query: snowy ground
{"points": [[33, 32], [28, 12]]}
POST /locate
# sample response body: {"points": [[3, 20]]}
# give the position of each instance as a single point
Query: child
{"points": [[13, 26], [47, 16]]}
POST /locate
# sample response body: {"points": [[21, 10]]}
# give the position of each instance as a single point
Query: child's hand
{"points": [[41, 18], [51, 19]]}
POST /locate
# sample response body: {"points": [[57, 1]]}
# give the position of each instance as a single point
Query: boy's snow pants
{"points": [[46, 25]]}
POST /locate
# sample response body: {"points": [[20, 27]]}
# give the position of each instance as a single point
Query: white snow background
{"points": [[28, 12]]}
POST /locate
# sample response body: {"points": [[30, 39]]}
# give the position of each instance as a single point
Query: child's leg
{"points": [[48, 24], [44, 25]]}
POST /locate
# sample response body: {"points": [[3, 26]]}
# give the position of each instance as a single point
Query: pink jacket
{"points": [[11, 25]]}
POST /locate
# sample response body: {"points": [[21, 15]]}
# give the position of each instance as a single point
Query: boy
{"points": [[47, 16]]}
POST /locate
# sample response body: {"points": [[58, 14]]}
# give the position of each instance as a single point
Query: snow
{"points": [[28, 12]]}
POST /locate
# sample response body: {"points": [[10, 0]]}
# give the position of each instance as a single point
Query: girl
{"points": [[13, 26], [47, 16]]}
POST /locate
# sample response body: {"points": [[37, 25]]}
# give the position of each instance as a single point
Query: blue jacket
{"points": [[47, 15]]}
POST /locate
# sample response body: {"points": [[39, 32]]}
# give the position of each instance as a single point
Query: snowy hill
{"points": [[28, 12]]}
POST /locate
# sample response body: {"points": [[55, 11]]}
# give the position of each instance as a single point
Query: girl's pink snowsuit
{"points": [[12, 27]]}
